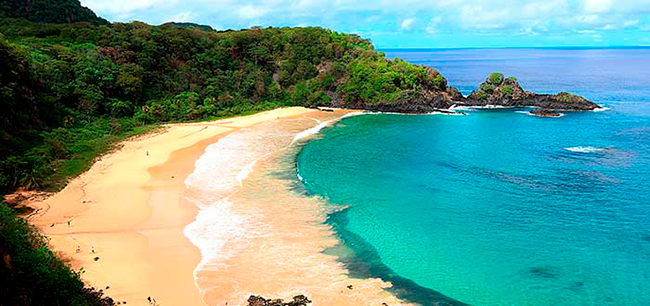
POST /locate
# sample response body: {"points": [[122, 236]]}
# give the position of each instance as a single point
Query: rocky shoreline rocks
{"points": [[495, 91], [299, 300]]}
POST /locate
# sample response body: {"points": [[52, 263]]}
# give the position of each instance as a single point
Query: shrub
{"points": [[496, 78], [482, 95], [507, 90], [487, 87], [514, 79], [439, 82]]}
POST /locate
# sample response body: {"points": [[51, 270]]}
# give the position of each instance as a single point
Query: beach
{"points": [[122, 222]]}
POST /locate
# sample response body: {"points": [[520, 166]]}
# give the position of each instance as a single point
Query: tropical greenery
{"points": [[496, 78], [507, 90], [57, 11], [68, 91]]}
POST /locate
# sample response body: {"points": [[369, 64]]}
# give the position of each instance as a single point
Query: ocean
{"points": [[498, 207]]}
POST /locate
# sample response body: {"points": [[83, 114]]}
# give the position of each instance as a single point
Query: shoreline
{"points": [[129, 209], [257, 235]]}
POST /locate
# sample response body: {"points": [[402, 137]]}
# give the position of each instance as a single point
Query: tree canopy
{"points": [[68, 90], [50, 11]]}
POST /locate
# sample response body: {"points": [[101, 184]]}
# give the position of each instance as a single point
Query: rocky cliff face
{"points": [[500, 91]]}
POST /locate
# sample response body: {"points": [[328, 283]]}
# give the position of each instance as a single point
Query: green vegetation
{"points": [[31, 274], [190, 24], [70, 91], [496, 78], [60, 11], [569, 98], [513, 79], [487, 87], [507, 90], [482, 95]]}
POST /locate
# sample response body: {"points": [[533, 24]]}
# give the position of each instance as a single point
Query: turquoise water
{"points": [[499, 207]]}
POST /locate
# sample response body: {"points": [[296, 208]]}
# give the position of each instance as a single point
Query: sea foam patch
{"points": [[588, 149]]}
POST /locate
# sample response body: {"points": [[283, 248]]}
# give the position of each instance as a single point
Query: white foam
{"points": [[311, 131], [452, 113], [218, 174], [215, 225], [456, 107], [491, 106], [587, 149], [600, 109]]}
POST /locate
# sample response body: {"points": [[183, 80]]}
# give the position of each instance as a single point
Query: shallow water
{"points": [[499, 207]]}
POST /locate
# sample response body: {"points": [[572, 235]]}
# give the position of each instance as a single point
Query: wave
{"points": [[219, 174], [491, 106], [215, 225], [601, 109], [588, 149], [311, 131]]}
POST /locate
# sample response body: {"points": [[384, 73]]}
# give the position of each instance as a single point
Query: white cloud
{"points": [[182, 17], [251, 12], [407, 23], [597, 6], [124, 6], [432, 27], [479, 18], [385, 18], [631, 23]]}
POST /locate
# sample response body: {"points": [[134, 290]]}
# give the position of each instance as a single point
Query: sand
{"points": [[127, 211]]}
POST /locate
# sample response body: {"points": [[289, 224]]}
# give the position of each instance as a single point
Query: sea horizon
{"points": [[512, 47]]}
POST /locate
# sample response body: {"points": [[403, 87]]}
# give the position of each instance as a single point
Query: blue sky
{"points": [[415, 24]]}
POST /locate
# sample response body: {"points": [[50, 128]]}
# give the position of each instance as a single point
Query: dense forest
{"points": [[70, 90], [52, 11]]}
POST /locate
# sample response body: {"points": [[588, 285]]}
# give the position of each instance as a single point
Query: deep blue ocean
{"points": [[500, 207]]}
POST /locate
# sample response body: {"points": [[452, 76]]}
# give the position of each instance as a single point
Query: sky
{"points": [[415, 24]]}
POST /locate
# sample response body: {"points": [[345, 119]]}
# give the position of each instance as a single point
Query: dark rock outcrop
{"points": [[507, 92], [413, 101], [299, 300], [435, 95], [545, 112]]}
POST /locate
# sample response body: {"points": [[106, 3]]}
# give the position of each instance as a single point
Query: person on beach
{"points": [[78, 249], [69, 223], [149, 299], [92, 249]]}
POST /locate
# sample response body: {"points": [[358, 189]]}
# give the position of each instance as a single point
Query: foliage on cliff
{"points": [[69, 90], [50, 11], [31, 274]]}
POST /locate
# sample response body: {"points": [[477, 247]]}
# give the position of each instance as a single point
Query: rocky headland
{"points": [[495, 91], [506, 92]]}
